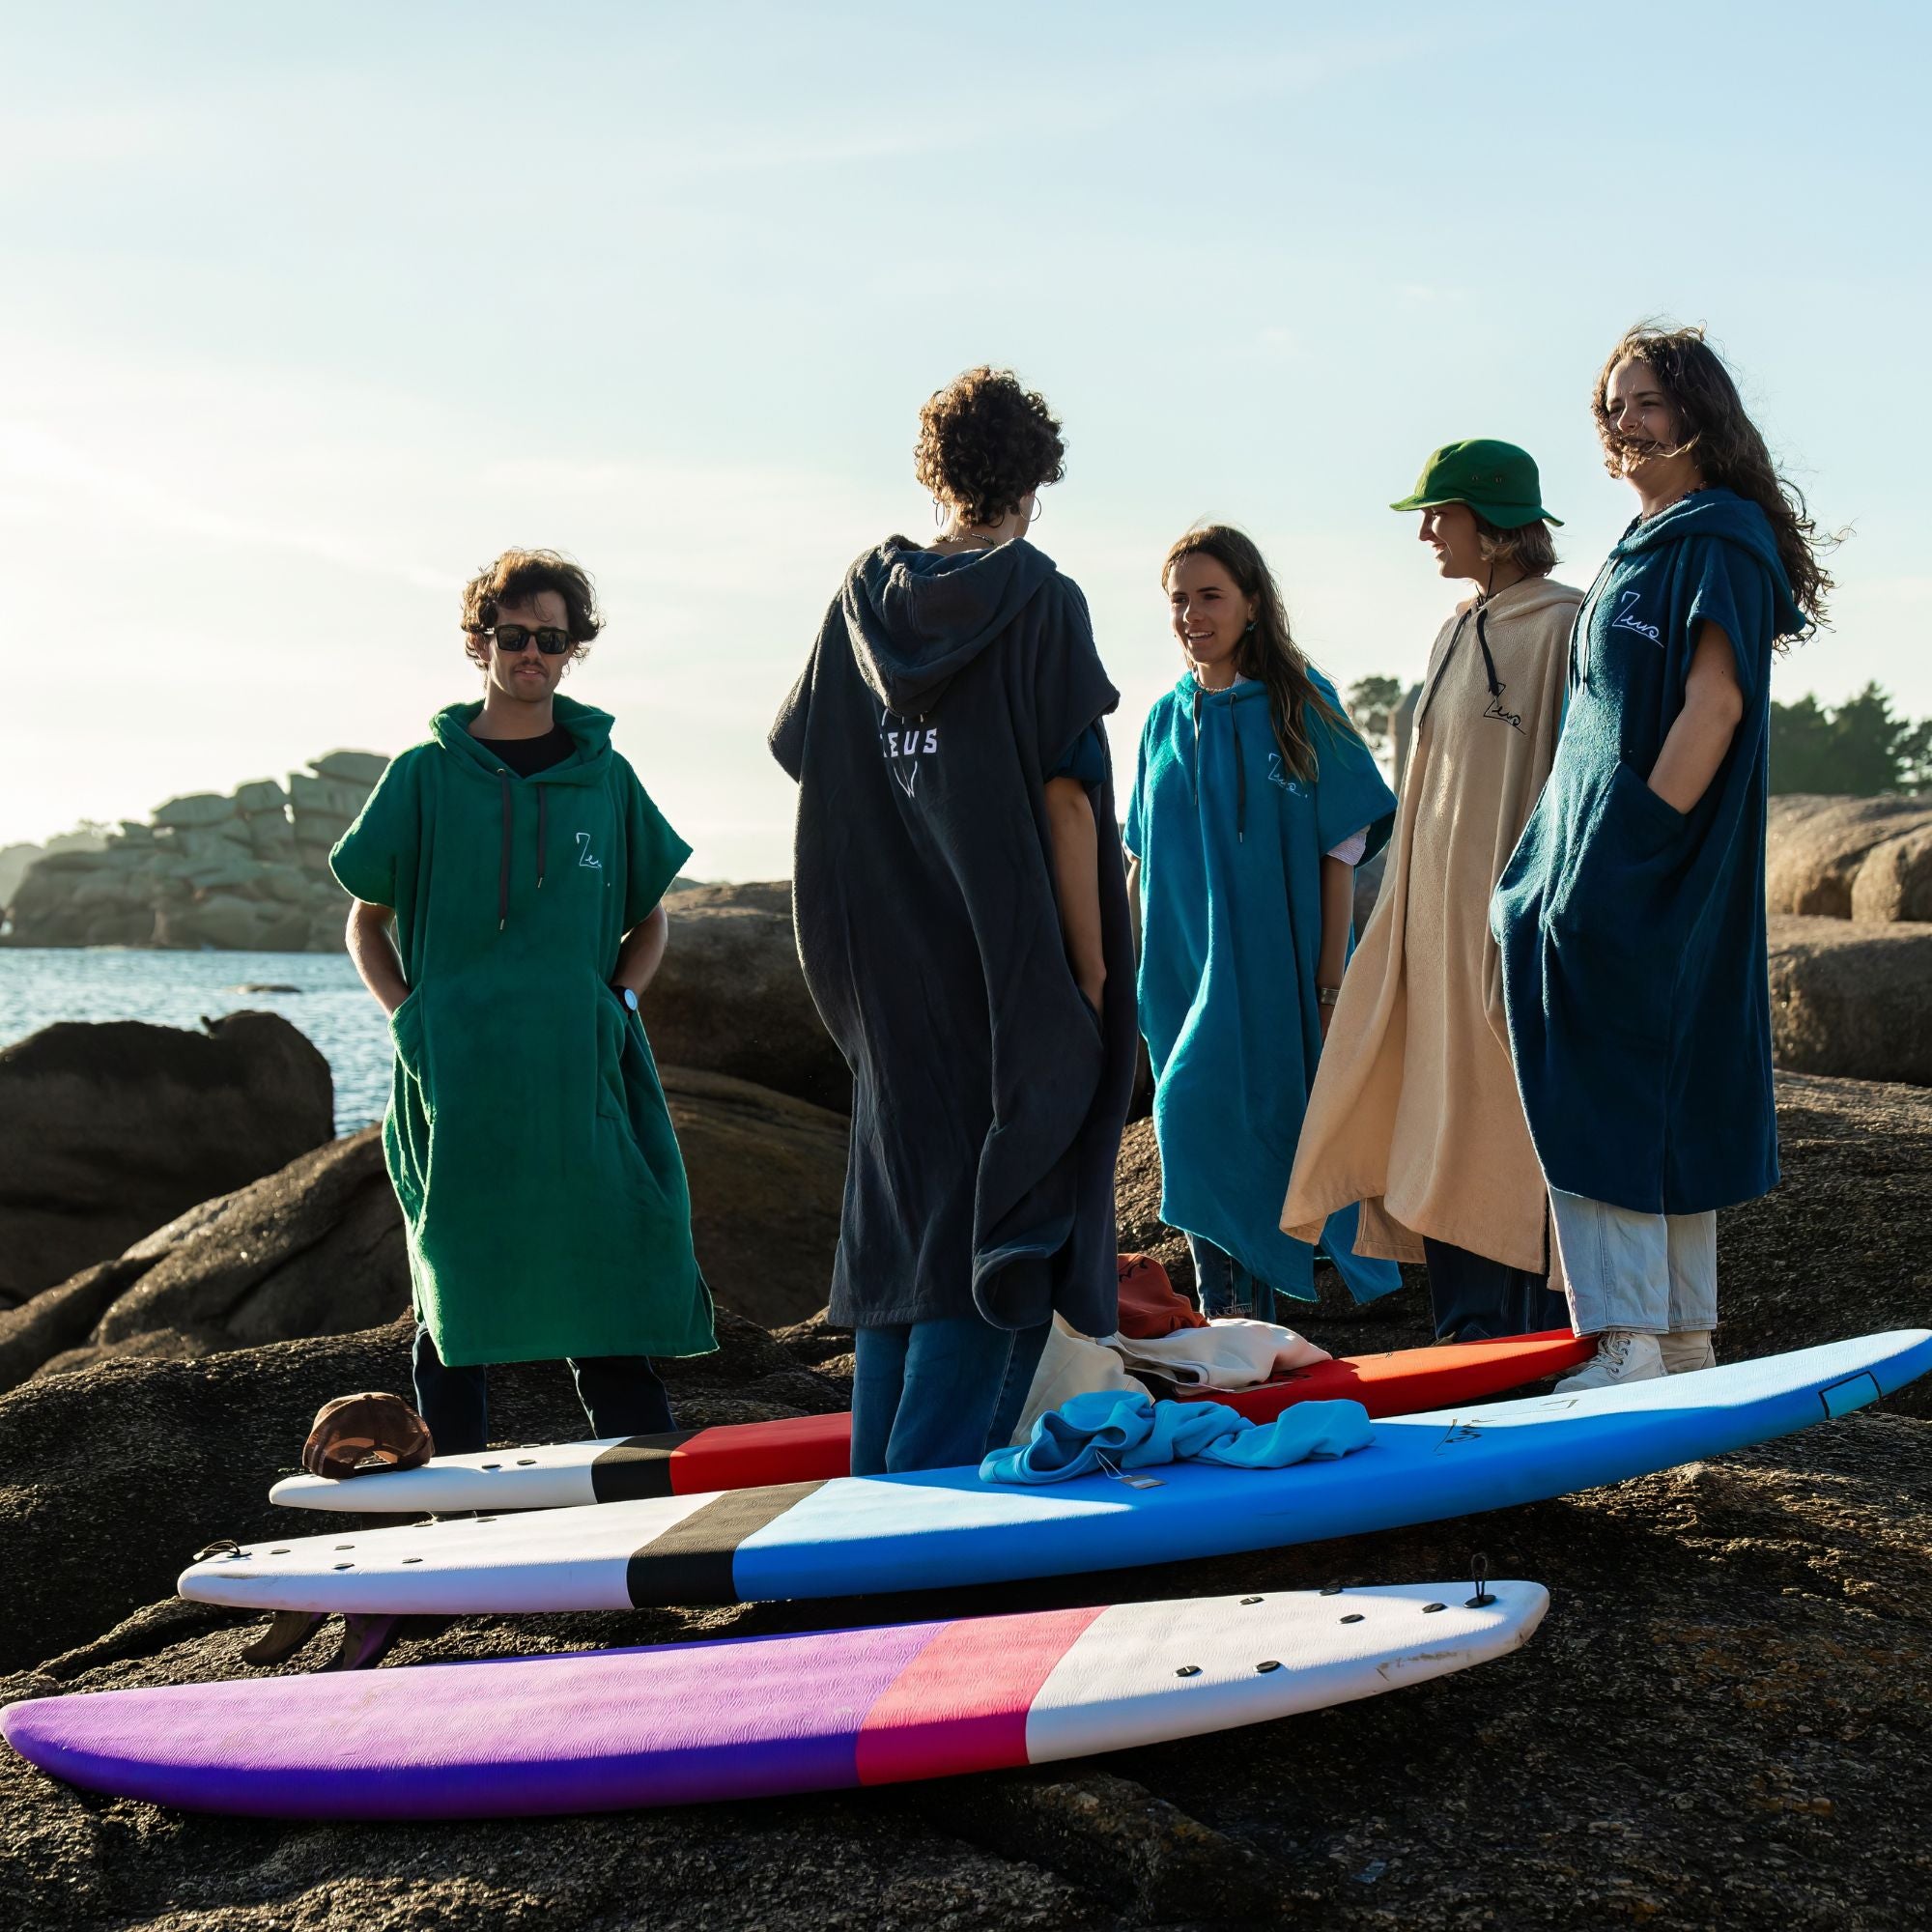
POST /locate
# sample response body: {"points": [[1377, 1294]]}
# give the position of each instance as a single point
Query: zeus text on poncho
{"points": [[1633, 935], [987, 1097], [526, 1136]]}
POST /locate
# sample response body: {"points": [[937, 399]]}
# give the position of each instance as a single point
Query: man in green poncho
{"points": [[508, 878]]}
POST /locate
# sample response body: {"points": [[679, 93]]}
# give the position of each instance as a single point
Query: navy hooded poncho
{"points": [[1631, 934], [988, 1103]]}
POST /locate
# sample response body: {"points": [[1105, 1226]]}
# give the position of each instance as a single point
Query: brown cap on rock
{"points": [[364, 1436]]}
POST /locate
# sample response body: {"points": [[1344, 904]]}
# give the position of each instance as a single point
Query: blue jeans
{"points": [[1476, 1300], [937, 1395], [620, 1394], [1224, 1287]]}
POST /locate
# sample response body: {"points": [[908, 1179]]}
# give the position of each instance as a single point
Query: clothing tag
{"points": [[1109, 1467]]}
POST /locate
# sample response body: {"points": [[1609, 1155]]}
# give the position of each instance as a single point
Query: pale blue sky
{"points": [[312, 310]]}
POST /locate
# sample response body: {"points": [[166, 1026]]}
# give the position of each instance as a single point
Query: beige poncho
{"points": [[1414, 1112]]}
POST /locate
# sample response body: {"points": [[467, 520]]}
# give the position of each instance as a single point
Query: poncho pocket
{"points": [[405, 1131], [625, 1118], [1615, 914]]}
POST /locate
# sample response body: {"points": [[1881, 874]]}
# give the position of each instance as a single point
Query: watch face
{"points": [[631, 999]]}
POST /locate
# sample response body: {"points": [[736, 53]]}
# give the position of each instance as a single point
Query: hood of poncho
{"points": [[917, 617], [1717, 512], [585, 724], [589, 726]]}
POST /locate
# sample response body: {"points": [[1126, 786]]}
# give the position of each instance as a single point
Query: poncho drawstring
{"points": [[1240, 769], [504, 858]]}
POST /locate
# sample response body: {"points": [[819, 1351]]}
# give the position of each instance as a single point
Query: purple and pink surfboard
{"points": [[761, 1717]]}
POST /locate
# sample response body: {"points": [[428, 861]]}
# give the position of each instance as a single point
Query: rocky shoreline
{"points": [[1723, 1722]]}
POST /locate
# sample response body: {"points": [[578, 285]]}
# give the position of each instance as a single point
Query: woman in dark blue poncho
{"points": [[1631, 918], [1254, 802]]}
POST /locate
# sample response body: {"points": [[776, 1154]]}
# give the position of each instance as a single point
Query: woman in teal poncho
{"points": [[1254, 802]]}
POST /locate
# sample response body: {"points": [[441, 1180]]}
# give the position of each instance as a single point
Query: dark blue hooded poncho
{"points": [[1633, 936], [988, 1098]]}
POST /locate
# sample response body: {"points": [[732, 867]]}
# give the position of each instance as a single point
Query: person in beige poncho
{"points": [[1414, 1111]]}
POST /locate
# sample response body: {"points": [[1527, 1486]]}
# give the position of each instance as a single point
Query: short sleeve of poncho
{"points": [[1134, 837], [381, 845], [1351, 793], [1731, 588], [1071, 689], [652, 851]]}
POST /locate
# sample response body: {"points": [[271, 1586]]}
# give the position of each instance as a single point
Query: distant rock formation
{"points": [[244, 873]]}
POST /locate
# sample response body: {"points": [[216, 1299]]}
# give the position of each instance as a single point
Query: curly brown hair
{"points": [[985, 444], [1268, 651], [515, 578], [1726, 444]]}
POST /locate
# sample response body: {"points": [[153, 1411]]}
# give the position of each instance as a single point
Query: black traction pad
{"points": [[639, 1468], [691, 1562]]}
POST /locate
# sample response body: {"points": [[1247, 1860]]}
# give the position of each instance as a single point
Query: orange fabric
{"points": [[1149, 1304]]}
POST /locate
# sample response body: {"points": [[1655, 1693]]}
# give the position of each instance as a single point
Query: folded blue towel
{"points": [[1131, 1432]]}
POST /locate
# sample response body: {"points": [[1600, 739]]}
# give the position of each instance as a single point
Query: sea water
{"points": [[39, 985]]}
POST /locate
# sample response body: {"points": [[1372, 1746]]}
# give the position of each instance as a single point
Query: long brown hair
{"points": [[1726, 444], [1268, 651]]}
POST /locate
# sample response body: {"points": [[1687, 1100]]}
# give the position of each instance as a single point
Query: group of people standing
{"points": [[1543, 1069]]}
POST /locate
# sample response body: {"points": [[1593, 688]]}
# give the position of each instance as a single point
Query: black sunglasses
{"points": [[514, 639]]}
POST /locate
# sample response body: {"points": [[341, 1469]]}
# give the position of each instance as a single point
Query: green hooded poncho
{"points": [[527, 1139]]}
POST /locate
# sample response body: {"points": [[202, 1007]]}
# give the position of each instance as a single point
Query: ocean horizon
{"points": [[41, 987]]}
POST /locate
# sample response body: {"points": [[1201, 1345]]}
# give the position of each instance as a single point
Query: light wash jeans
{"points": [[1656, 1275]]}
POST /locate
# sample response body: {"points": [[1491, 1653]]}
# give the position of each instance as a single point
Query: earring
{"points": [[938, 513], [1249, 632], [1038, 511]]}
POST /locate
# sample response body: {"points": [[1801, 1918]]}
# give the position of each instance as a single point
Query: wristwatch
{"points": [[1326, 996], [629, 997]]}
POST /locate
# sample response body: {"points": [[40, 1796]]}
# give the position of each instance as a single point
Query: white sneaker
{"points": [[1685, 1354], [1622, 1356]]}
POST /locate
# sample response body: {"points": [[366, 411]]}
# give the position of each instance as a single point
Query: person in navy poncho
{"points": [[964, 930], [1254, 802], [1630, 916]]}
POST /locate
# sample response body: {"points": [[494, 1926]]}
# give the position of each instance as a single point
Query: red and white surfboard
{"points": [[816, 1448]]}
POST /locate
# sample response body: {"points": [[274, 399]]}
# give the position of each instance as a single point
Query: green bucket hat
{"points": [[1497, 480]]}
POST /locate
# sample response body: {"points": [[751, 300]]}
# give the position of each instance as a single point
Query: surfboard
{"points": [[817, 1448], [944, 1528], [760, 1717]]}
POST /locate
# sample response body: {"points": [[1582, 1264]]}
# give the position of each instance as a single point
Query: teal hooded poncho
{"points": [[526, 1136], [1230, 844], [1633, 935]]}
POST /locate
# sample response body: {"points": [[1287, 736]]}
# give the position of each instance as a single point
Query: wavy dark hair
{"points": [[1267, 653], [1726, 444], [515, 578], [986, 443]]}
